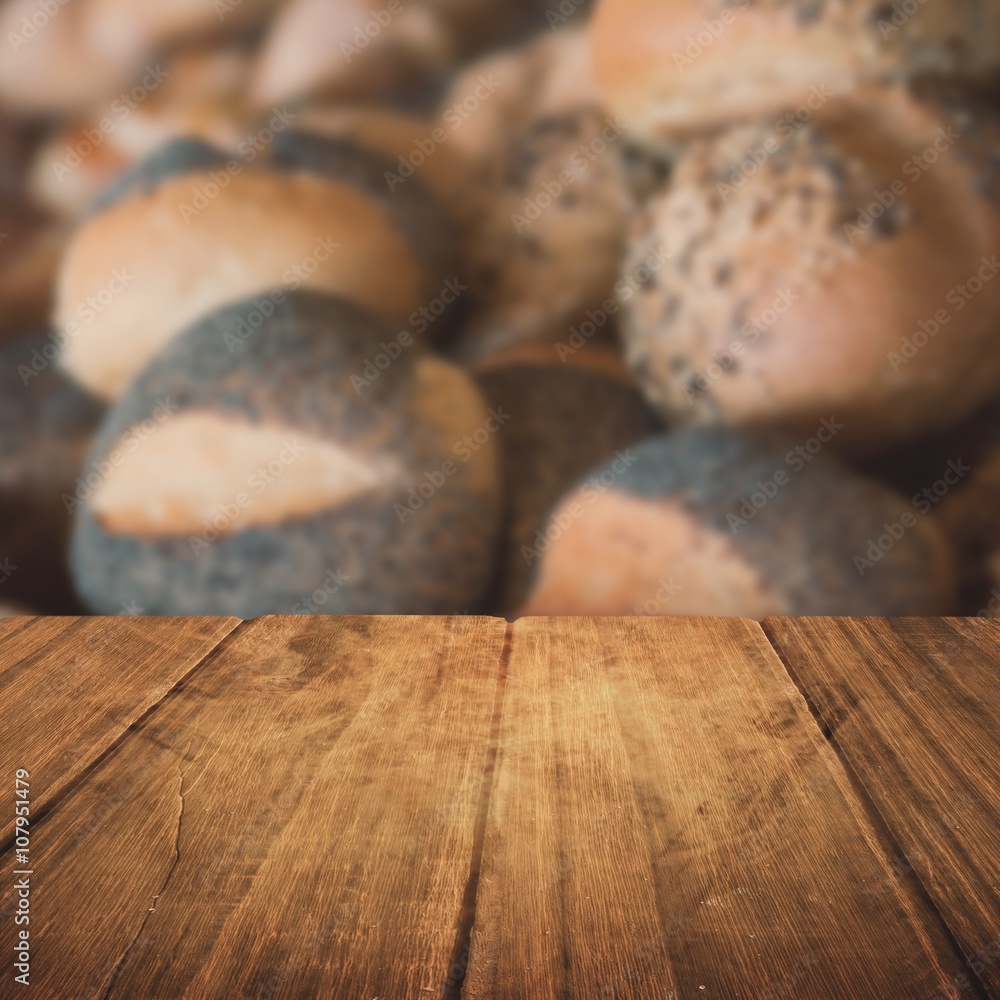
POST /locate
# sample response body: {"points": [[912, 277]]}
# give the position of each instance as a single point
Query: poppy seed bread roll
{"points": [[693, 65], [810, 273], [564, 416], [176, 247], [716, 522], [415, 211], [305, 486]]}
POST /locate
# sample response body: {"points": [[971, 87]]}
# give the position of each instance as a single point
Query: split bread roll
{"points": [[296, 473], [716, 522], [848, 267], [192, 229], [690, 65]]}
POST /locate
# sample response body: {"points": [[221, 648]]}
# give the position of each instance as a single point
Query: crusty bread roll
{"points": [[827, 272], [176, 246], [415, 147], [690, 65], [268, 480], [717, 522], [415, 211]]}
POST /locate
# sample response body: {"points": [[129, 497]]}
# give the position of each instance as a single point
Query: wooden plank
{"points": [[296, 822], [668, 821], [914, 706], [69, 687]]}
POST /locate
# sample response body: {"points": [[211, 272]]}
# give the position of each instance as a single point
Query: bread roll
{"points": [[716, 522], [692, 65], [305, 485], [175, 246], [809, 273]]}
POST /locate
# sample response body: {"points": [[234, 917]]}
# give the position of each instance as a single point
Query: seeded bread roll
{"points": [[307, 485], [565, 412], [808, 273], [715, 522], [418, 148], [501, 93], [544, 240], [413, 207], [169, 247], [691, 65]]}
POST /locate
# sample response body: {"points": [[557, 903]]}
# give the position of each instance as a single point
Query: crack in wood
{"points": [[889, 846], [163, 888], [459, 964]]}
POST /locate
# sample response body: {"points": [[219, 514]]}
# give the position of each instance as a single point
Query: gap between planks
{"points": [[459, 964], [130, 730], [883, 834]]}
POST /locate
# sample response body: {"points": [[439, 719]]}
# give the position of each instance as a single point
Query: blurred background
{"points": [[499, 306]]}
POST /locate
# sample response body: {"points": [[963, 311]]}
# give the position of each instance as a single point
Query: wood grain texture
{"points": [[914, 706], [69, 687], [667, 821], [296, 822]]}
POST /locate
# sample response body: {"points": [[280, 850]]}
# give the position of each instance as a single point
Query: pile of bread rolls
{"points": [[428, 307]]}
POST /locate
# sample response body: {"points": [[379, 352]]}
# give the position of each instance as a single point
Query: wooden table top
{"points": [[387, 808]]}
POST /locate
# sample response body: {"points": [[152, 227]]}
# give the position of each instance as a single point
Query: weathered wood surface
{"points": [[914, 706], [667, 821], [70, 687], [305, 807], [297, 820]]}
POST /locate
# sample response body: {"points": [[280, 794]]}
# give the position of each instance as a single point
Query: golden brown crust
{"points": [[262, 231], [685, 66]]}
